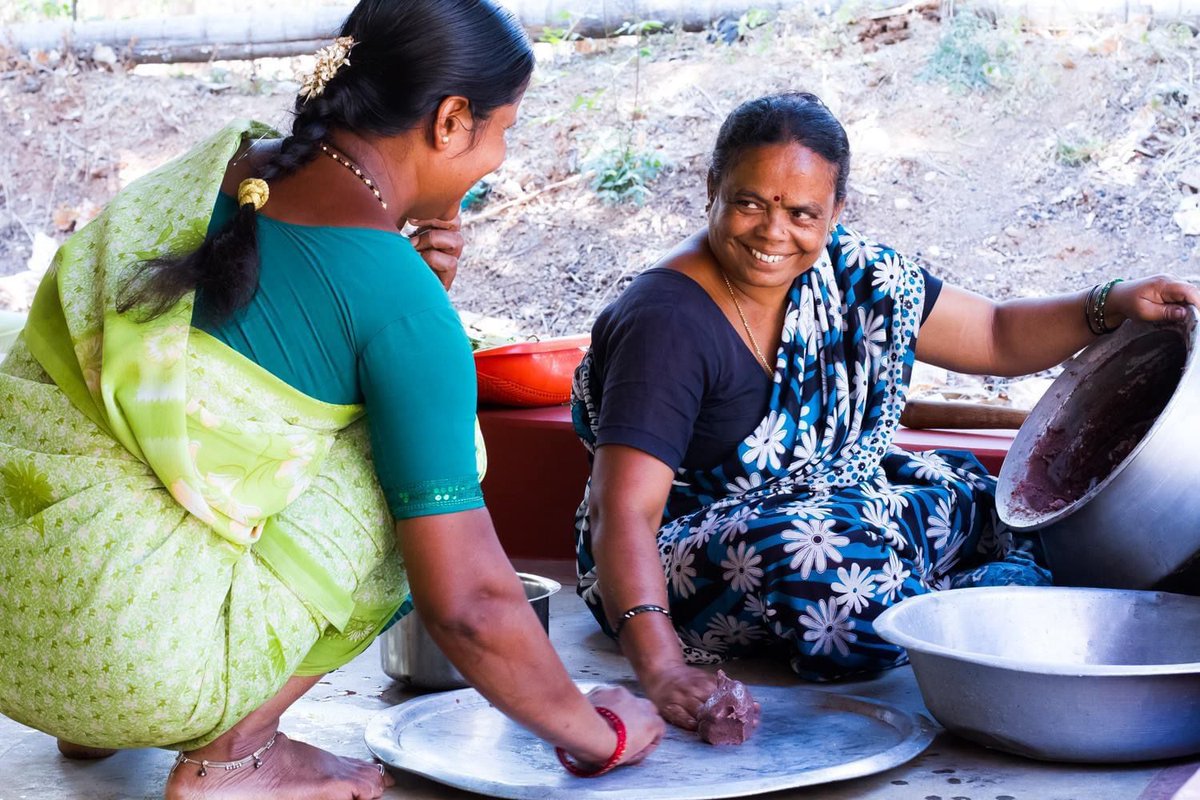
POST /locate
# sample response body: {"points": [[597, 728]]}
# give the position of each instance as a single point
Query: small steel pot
{"points": [[1107, 465], [409, 654]]}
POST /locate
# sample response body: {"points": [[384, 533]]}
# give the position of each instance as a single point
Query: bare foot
{"points": [[72, 750], [292, 770]]}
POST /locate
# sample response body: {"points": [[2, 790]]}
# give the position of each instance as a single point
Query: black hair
{"points": [[798, 117], [408, 56]]}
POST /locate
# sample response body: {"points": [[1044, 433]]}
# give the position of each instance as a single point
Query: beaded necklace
{"points": [[357, 170]]}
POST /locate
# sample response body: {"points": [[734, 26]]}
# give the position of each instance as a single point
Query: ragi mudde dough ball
{"points": [[730, 715]]}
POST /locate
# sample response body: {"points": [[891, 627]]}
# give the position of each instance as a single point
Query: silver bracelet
{"points": [[641, 609]]}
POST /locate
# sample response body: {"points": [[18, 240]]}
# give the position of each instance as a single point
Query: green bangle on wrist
{"points": [[1093, 307]]}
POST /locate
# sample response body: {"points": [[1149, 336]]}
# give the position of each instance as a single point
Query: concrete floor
{"points": [[335, 712]]}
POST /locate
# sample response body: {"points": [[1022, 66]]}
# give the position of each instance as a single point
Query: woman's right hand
{"points": [[678, 692], [644, 728]]}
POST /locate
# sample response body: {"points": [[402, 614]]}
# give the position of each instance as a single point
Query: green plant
{"points": [[38, 9], [970, 54], [589, 101], [622, 175], [1177, 34], [567, 33], [848, 13], [753, 18], [641, 29], [1075, 153]]}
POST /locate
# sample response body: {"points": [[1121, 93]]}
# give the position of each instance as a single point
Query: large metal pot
{"points": [[1057, 673], [409, 653], [1108, 464]]}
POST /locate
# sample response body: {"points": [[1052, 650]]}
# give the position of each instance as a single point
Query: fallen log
{"points": [[199, 38], [194, 38]]}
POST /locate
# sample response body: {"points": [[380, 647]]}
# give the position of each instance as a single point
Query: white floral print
{"points": [[681, 570], [939, 529], [760, 608], [708, 641], [743, 484], [891, 578], [858, 250], [855, 587], [814, 544], [736, 523], [829, 627], [765, 445], [701, 533], [876, 517], [931, 467], [791, 323], [806, 445], [889, 272], [730, 630], [841, 385], [874, 336], [741, 568]]}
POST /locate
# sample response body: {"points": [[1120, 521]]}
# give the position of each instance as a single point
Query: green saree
{"points": [[180, 531]]}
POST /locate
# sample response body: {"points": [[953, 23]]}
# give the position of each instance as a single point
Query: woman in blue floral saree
{"points": [[768, 492]]}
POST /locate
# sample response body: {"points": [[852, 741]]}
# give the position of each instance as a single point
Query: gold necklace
{"points": [[357, 170], [754, 342]]}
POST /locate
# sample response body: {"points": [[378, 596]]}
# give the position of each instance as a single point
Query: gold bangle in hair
{"points": [[253, 191]]}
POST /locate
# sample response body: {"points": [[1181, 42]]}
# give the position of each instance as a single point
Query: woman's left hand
{"points": [[1161, 298], [440, 243]]}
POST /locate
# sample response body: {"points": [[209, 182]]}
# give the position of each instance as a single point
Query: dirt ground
{"points": [[1012, 161]]}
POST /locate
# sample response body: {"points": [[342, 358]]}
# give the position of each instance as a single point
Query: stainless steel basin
{"points": [[1058, 673], [1107, 465], [409, 653]]}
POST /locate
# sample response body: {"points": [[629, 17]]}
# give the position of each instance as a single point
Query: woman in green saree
{"points": [[237, 432]]}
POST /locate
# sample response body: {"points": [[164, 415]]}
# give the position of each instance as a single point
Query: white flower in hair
{"points": [[329, 60]]}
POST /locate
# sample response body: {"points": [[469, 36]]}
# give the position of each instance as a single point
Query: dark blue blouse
{"points": [[674, 378]]}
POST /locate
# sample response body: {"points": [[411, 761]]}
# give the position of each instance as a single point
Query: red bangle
{"points": [[619, 728]]}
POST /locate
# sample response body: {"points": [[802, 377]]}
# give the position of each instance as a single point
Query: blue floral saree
{"points": [[816, 522]]}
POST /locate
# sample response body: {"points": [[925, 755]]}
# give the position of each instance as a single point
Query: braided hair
{"points": [[409, 55]]}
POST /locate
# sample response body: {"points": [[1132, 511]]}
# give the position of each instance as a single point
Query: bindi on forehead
{"points": [[777, 198]]}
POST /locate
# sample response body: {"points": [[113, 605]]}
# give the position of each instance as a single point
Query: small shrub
{"points": [[589, 101], [623, 175], [753, 18], [552, 35], [971, 54], [642, 27], [1071, 153]]}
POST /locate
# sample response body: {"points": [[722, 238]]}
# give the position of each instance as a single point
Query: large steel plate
{"points": [[807, 737]]}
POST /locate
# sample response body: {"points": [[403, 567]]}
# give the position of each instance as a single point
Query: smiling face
{"points": [[772, 213], [490, 147], [455, 168]]}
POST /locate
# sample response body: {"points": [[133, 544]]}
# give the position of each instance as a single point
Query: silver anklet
{"points": [[254, 758]]}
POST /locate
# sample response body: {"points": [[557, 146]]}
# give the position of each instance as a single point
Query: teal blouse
{"points": [[354, 315]]}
